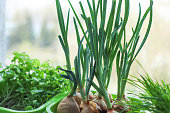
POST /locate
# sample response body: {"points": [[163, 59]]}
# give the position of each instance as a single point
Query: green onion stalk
{"points": [[77, 78], [70, 103], [84, 53], [104, 42], [129, 51], [84, 60], [64, 37]]}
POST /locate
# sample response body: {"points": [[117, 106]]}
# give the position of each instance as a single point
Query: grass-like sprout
{"points": [[155, 95]]}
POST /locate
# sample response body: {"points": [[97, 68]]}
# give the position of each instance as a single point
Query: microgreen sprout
{"points": [[155, 96]]}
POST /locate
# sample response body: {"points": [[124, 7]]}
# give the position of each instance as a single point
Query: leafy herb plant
{"points": [[28, 83]]}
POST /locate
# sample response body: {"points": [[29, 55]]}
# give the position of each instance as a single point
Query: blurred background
{"points": [[32, 26]]}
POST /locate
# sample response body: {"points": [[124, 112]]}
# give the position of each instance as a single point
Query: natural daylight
{"points": [[84, 56]]}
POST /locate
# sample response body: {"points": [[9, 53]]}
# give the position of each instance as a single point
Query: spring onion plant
{"points": [[128, 50], [76, 79], [64, 31], [83, 57], [64, 38], [64, 42], [65, 106], [104, 43]]}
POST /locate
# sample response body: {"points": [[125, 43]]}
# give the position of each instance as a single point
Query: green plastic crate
{"points": [[52, 108]]}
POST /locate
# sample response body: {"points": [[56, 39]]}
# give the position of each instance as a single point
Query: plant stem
{"points": [[73, 89], [68, 62], [104, 93]]}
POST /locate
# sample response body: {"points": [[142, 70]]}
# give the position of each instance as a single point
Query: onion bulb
{"points": [[68, 105], [89, 107], [100, 102]]}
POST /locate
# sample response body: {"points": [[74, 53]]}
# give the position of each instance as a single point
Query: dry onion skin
{"points": [[109, 94], [68, 105], [89, 107], [111, 111], [101, 103], [91, 96], [77, 98]]}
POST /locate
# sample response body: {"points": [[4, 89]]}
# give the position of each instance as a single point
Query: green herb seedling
{"points": [[155, 95], [27, 82]]}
